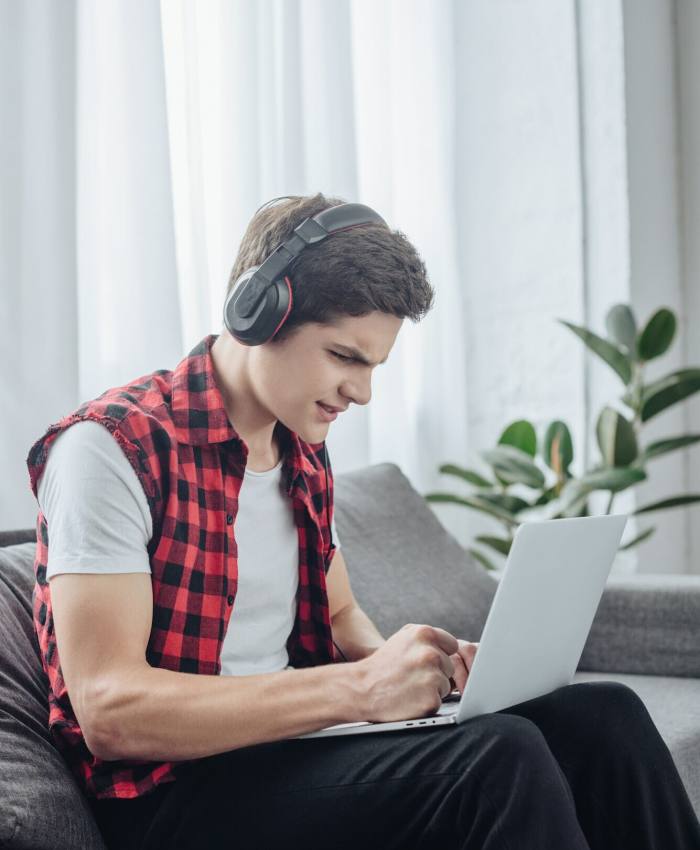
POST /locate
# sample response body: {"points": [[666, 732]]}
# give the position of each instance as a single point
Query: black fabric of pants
{"points": [[581, 768]]}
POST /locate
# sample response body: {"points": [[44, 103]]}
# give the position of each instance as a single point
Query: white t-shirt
{"points": [[99, 522]]}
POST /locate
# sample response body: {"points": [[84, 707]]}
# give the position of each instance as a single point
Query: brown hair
{"points": [[352, 273]]}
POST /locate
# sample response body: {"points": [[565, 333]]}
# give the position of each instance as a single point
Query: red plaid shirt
{"points": [[173, 428]]}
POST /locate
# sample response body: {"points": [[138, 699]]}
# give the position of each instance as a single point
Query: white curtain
{"points": [[268, 98], [144, 135], [187, 117]]}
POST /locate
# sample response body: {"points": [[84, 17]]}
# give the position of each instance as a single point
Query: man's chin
{"points": [[315, 432], [314, 435]]}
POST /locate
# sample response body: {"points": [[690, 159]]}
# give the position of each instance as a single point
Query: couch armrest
{"points": [[648, 624]]}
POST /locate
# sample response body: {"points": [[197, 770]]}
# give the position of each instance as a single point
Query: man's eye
{"points": [[342, 356]]}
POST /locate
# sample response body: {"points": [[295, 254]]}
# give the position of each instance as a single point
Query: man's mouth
{"points": [[328, 414]]}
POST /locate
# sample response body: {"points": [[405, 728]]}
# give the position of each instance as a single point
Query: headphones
{"points": [[261, 298]]}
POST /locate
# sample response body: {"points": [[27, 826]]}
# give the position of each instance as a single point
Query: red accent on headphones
{"points": [[289, 308]]}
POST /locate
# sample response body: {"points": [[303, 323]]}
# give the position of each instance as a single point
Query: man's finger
{"points": [[447, 664], [467, 651], [445, 641], [461, 673]]}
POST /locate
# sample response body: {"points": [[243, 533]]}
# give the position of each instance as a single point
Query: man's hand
{"points": [[463, 660], [410, 674]]}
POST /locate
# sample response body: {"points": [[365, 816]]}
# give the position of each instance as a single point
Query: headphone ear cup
{"points": [[231, 318], [240, 284], [269, 315]]}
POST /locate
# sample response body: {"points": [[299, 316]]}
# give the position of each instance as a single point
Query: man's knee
{"points": [[604, 712], [602, 699]]}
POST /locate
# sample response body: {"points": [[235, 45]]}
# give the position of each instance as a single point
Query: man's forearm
{"points": [[355, 633], [161, 715]]}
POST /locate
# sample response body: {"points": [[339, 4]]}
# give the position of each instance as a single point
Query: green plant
{"points": [[543, 468]]}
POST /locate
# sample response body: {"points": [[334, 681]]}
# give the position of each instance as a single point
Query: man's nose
{"points": [[359, 391]]}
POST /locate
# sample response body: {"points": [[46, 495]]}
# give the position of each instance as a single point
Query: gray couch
{"points": [[404, 567]]}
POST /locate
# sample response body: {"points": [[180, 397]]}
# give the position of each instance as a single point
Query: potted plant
{"points": [[541, 468]]}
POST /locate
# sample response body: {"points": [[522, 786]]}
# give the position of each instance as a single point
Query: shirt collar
{"points": [[200, 417]]}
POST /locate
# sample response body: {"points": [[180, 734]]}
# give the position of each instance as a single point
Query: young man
{"points": [[191, 600]]}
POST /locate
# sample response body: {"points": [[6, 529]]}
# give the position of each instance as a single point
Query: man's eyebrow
{"points": [[358, 355]]}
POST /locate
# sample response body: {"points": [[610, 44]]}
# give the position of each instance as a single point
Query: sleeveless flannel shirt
{"points": [[175, 432]]}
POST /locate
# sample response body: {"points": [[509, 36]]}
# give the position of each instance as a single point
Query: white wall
{"points": [[605, 212], [578, 127], [688, 104], [658, 63]]}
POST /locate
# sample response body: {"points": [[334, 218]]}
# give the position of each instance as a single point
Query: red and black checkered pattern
{"points": [[173, 428]]}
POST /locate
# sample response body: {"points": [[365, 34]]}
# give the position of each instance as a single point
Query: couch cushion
{"points": [[674, 706], [41, 805], [404, 566]]}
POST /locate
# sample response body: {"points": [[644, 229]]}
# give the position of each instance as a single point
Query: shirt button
{"points": [[229, 519], [230, 600]]}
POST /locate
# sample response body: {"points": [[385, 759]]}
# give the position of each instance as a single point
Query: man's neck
{"points": [[263, 444], [264, 460]]}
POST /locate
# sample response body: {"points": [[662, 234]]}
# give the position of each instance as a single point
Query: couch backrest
{"points": [[12, 538], [404, 566]]}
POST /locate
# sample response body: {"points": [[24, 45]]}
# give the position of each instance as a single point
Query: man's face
{"points": [[292, 376]]}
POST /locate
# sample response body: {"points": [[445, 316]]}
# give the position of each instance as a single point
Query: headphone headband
{"points": [[260, 300]]}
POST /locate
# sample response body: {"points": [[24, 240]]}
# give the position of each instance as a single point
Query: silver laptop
{"points": [[537, 625]]}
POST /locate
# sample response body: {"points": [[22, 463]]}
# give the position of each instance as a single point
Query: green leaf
{"points": [[628, 399], [500, 544], [520, 434], [466, 474], [616, 438], [475, 502], [579, 508], [658, 335], [661, 447], [674, 502], [482, 559], [558, 439], [638, 539], [514, 466], [545, 497], [610, 353], [511, 504], [614, 480], [622, 327], [669, 390], [572, 498]]}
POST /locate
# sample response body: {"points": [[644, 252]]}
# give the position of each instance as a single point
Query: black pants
{"points": [[581, 768]]}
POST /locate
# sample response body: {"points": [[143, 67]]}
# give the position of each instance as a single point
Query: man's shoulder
{"points": [[140, 411], [137, 415], [144, 396]]}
